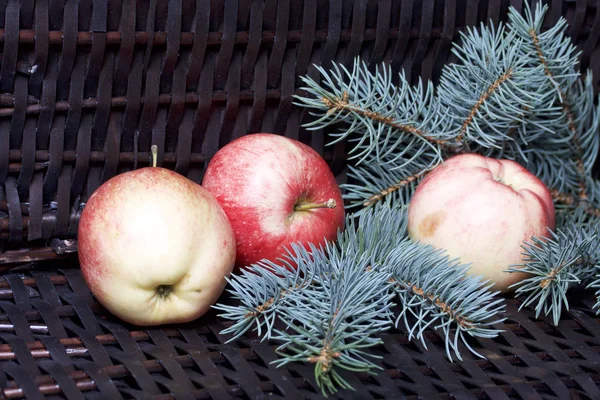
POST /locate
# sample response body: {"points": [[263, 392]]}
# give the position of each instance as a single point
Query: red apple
{"points": [[275, 191], [481, 210], [155, 247]]}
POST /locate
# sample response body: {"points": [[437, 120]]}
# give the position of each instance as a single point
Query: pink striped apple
{"points": [[276, 191], [481, 210]]}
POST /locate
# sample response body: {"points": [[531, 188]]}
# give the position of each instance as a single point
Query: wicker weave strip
{"points": [[55, 339], [89, 86]]}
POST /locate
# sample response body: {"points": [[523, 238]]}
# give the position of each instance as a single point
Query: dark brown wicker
{"points": [[87, 86]]}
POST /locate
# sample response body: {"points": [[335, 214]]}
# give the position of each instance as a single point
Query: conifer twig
{"points": [[568, 110], [555, 263], [554, 272], [487, 90], [337, 104], [333, 327], [262, 288], [263, 307], [437, 292], [491, 89], [383, 121], [569, 200], [438, 302], [330, 313], [396, 186]]}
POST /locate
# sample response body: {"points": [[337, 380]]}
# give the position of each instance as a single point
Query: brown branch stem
{"points": [[461, 320], [493, 87], [556, 270], [342, 104], [396, 186], [325, 358], [327, 355], [568, 109], [263, 307], [569, 200]]}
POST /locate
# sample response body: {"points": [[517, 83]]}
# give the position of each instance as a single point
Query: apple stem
{"points": [[309, 206], [154, 150]]}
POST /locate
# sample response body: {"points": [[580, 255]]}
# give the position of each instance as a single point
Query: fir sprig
{"points": [[332, 307], [571, 255], [378, 184], [433, 290], [515, 93], [386, 123], [397, 133], [332, 325], [563, 159], [438, 293], [260, 289], [488, 91]]}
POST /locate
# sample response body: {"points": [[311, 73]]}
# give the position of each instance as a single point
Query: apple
{"points": [[481, 210], [275, 191], [155, 247]]}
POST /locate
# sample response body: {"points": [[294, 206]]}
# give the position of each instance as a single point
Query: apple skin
{"points": [[151, 227], [481, 210], [258, 179]]}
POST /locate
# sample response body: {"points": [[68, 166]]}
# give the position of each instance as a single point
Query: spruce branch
{"points": [[433, 290], [552, 48], [326, 312], [262, 288], [402, 183], [331, 309], [332, 328], [488, 91], [381, 120], [391, 128], [375, 233], [569, 256], [377, 183], [342, 105], [554, 51], [437, 292]]}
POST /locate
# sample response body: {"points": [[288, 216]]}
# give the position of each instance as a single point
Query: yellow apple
{"points": [[155, 247]]}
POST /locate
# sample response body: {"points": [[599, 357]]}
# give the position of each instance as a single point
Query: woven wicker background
{"points": [[57, 341], [87, 86]]}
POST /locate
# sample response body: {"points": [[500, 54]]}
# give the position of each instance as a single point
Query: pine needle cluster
{"points": [[515, 92]]}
